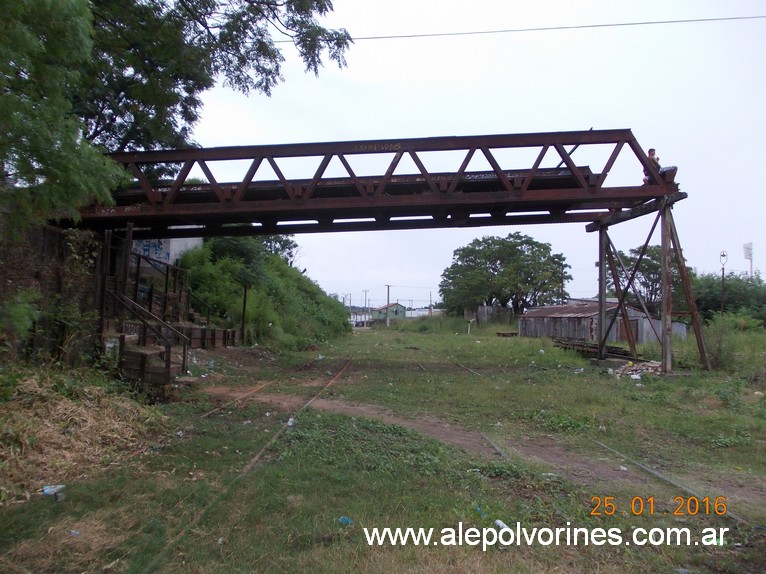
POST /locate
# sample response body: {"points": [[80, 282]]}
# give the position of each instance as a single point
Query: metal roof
{"points": [[571, 309]]}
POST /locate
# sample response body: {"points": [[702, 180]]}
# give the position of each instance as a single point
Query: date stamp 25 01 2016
{"points": [[645, 506]]}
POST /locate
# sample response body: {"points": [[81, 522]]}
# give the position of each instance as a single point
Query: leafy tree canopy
{"points": [[154, 58], [47, 169], [515, 271], [78, 77], [282, 245], [741, 294], [647, 281]]}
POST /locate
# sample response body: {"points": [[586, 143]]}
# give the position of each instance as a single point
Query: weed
{"points": [[9, 380], [559, 422], [738, 438], [730, 394]]}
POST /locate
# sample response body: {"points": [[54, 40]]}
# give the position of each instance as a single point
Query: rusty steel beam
{"points": [[380, 223], [568, 192]]}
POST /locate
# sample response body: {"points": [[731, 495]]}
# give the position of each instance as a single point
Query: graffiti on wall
{"points": [[155, 248]]}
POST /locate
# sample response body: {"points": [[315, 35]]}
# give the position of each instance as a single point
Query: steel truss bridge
{"points": [[440, 182], [270, 200]]}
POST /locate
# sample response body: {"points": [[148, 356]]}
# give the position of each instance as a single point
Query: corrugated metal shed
{"points": [[579, 308], [578, 319]]}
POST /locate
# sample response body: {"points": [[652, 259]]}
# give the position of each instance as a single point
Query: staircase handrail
{"points": [[198, 299], [134, 308]]}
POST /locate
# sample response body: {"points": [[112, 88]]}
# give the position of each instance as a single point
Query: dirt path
{"points": [[600, 471], [544, 450]]}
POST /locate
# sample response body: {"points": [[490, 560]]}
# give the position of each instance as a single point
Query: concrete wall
{"points": [[167, 250]]}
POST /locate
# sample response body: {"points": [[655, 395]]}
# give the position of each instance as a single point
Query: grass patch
{"points": [[183, 504]]}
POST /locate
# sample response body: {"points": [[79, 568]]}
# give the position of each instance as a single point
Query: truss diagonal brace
{"points": [[633, 213]]}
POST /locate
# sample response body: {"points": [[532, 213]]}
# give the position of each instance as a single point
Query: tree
{"points": [[515, 271], [741, 293], [647, 282], [47, 169], [145, 78], [154, 58], [282, 245], [127, 75]]}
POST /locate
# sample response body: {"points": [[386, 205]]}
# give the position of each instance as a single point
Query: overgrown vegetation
{"points": [[177, 499], [57, 424], [283, 307], [737, 294], [50, 313]]}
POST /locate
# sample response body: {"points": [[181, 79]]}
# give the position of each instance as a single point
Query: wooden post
{"points": [[683, 272], [667, 299], [602, 247], [106, 255], [244, 309], [138, 278], [165, 296], [127, 251]]}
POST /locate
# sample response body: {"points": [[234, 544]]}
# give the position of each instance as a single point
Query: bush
{"points": [[17, 317], [283, 307], [732, 340]]}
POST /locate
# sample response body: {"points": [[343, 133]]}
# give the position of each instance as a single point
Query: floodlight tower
{"points": [[749, 256]]}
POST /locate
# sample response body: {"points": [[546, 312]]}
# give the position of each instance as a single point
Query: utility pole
{"points": [[388, 305], [366, 314]]}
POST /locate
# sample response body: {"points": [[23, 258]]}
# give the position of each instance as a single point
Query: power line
{"points": [[558, 28]]}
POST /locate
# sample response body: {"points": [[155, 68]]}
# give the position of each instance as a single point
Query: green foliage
{"points": [[144, 81], [282, 245], [559, 422], [725, 339], [283, 306], [9, 380], [76, 76], [17, 317], [47, 170], [435, 324], [647, 282], [738, 438], [515, 271], [742, 295], [67, 318], [154, 59]]}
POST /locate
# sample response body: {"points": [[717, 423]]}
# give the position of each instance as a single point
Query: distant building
{"points": [[578, 319], [392, 311]]}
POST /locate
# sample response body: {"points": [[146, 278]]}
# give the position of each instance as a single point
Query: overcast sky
{"points": [[694, 91]]}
